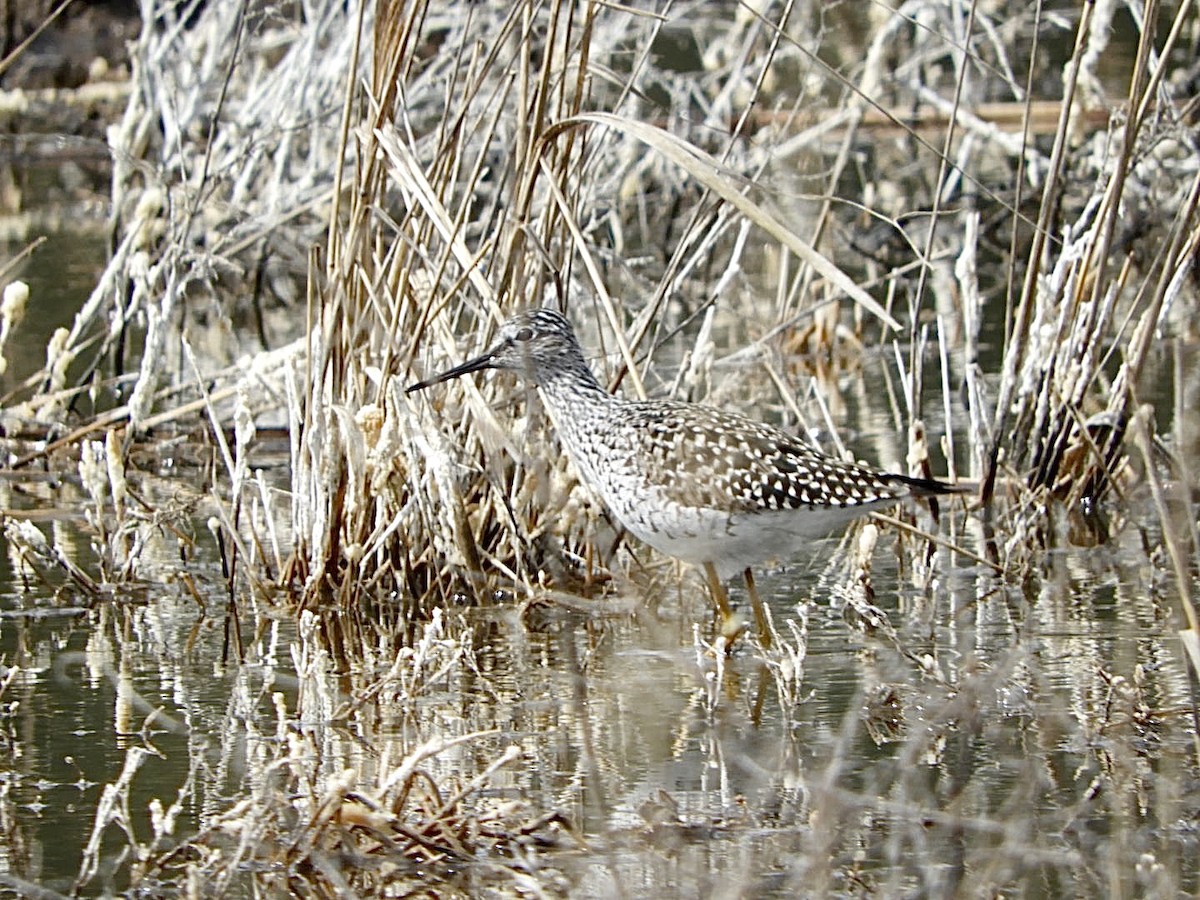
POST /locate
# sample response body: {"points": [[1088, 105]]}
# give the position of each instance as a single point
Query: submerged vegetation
{"points": [[443, 668]]}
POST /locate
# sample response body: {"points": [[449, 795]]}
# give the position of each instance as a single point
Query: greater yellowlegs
{"points": [[708, 487]]}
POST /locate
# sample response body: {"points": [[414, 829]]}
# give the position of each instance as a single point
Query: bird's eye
{"points": [[525, 334]]}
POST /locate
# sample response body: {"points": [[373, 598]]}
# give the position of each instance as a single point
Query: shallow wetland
{"points": [[271, 626]]}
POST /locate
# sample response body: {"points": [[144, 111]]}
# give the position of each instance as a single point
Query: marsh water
{"points": [[982, 749], [948, 727], [1009, 715]]}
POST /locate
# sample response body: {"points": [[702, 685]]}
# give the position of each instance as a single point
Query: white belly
{"points": [[731, 542]]}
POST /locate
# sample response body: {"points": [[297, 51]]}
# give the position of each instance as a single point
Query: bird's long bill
{"points": [[477, 364]]}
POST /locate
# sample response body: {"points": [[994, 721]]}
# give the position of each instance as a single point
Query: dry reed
{"points": [[664, 183]]}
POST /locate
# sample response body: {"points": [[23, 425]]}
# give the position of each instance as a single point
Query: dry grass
{"points": [[804, 183]]}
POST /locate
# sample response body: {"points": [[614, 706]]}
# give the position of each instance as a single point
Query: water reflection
{"points": [[1026, 737]]}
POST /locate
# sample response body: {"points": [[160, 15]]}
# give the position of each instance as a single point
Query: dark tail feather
{"points": [[926, 487]]}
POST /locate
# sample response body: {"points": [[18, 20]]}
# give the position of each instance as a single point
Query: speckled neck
{"points": [[569, 387]]}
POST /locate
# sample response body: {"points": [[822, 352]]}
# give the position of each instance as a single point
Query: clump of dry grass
{"points": [[1102, 272], [495, 214], [465, 182], [491, 157], [305, 820], [495, 192]]}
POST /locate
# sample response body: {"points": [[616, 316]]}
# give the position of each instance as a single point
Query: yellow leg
{"points": [[760, 614], [730, 626]]}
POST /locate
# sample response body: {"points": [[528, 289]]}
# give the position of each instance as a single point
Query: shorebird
{"points": [[706, 486]]}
